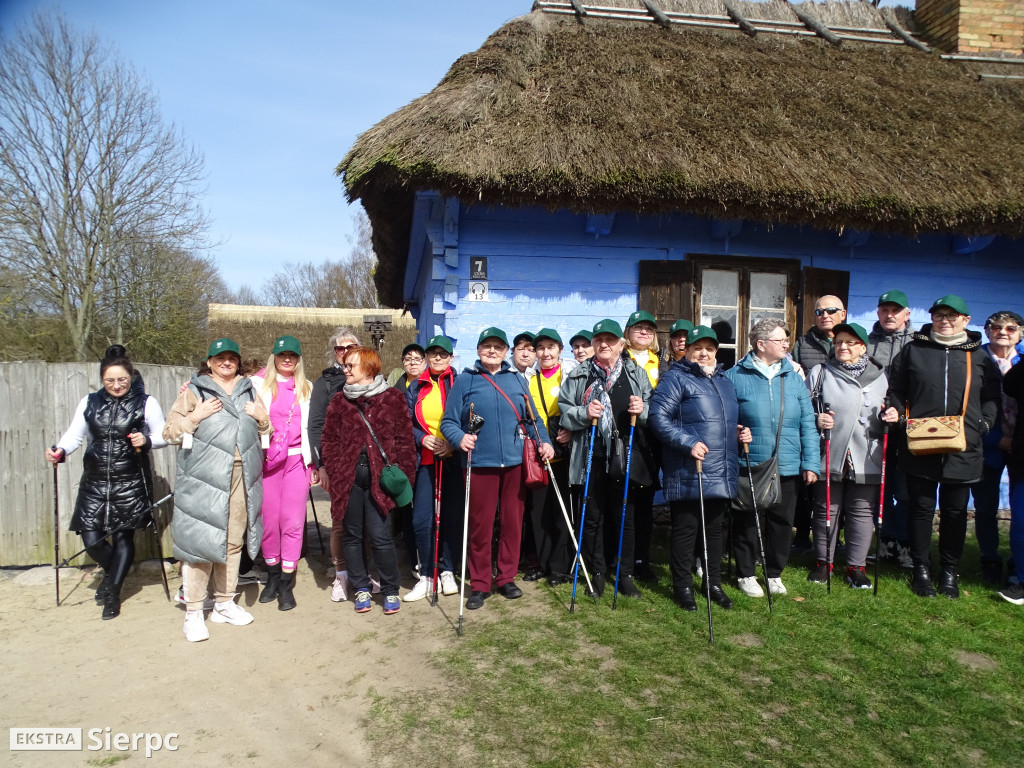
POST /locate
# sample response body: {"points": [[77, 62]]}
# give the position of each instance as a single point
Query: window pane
{"points": [[767, 290], [761, 314], [721, 321], [720, 287]]}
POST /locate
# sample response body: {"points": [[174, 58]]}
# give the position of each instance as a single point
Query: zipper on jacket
{"points": [[945, 386]]}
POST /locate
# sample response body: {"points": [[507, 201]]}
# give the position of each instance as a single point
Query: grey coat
{"points": [[203, 480], [574, 412], [884, 346], [858, 429]]}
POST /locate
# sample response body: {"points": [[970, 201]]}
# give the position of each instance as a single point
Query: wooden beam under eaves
{"points": [[659, 15], [739, 18], [890, 21], [816, 26]]}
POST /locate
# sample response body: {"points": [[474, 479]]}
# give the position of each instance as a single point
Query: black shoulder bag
{"points": [[767, 484]]}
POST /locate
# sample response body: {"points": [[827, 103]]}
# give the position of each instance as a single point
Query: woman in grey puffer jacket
{"points": [[854, 386]]}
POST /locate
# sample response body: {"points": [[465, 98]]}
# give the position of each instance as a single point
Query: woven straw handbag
{"points": [[939, 434]]}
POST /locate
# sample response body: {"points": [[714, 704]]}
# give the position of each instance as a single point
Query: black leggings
{"points": [[115, 558]]}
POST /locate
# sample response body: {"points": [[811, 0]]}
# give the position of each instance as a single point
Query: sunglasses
{"points": [[827, 311], [346, 348]]}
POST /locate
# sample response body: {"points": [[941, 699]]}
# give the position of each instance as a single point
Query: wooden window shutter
{"points": [[666, 291]]}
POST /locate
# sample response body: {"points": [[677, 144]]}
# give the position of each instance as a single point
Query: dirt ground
{"points": [[291, 688]]}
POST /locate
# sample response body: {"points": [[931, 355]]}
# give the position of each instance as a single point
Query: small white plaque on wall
{"points": [[477, 291]]}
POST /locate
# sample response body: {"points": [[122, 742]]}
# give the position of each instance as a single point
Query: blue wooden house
{"points": [[715, 160]]}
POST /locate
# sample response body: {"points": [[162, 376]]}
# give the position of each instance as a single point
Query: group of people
{"points": [[562, 455]]}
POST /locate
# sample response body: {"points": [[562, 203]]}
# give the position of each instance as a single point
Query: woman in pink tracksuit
{"points": [[286, 467]]}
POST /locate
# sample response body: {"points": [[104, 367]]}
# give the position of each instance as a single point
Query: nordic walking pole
{"points": [[129, 526], [437, 524], [583, 516], [704, 536], [881, 500], [475, 422], [558, 495], [568, 522], [56, 529], [757, 522], [828, 505], [625, 498], [156, 525], [316, 521]]}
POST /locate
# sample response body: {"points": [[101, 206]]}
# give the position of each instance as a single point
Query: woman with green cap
{"points": [[854, 386], [285, 392], [218, 489]]}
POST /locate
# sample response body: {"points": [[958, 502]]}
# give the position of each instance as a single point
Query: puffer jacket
{"points": [[759, 410], [928, 379], [500, 442], [113, 490], [346, 436], [574, 411], [688, 407], [884, 346], [327, 386], [811, 349], [856, 404], [202, 484]]}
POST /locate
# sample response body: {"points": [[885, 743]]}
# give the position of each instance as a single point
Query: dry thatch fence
{"points": [[37, 401]]}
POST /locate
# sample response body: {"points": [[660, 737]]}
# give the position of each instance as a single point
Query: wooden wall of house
{"points": [[568, 270]]}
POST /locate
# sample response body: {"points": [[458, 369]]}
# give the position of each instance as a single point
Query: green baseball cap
{"points": [[548, 333], [953, 302], [223, 345], [892, 297], [582, 334], [854, 328], [443, 342], [607, 326], [701, 332], [680, 325], [522, 336], [641, 316], [287, 344], [492, 333]]}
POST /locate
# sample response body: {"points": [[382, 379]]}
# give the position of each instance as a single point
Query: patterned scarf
{"points": [[375, 387], [598, 390], [855, 369]]}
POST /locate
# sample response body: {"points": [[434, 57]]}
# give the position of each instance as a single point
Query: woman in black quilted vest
{"points": [[120, 424]]}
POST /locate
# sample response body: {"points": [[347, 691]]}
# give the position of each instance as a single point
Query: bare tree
{"points": [[362, 262], [88, 171]]}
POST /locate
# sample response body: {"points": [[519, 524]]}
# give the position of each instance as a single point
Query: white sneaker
{"points": [[339, 593], [748, 586], [421, 590], [195, 627], [448, 585], [776, 586], [230, 612]]}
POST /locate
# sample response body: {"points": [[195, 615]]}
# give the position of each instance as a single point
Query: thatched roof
{"points": [[598, 115]]}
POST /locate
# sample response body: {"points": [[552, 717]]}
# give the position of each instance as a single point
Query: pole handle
{"points": [[700, 466], [632, 419], [746, 448], [593, 422]]}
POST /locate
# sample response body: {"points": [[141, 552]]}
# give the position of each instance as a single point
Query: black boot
{"points": [[922, 581], [948, 583], [273, 583], [112, 602], [627, 588], [598, 581], [285, 598], [101, 590]]}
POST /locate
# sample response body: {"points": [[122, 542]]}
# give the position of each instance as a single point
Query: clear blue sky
{"points": [[275, 93]]}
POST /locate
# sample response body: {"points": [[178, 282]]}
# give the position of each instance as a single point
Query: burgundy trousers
{"points": [[491, 489]]}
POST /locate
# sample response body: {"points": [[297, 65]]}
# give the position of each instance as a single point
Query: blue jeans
{"points": [[1017, 526], [986, 508]]}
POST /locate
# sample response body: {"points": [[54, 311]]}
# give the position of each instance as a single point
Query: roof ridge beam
{"points": [[739, 18], [658, 14], [815, 25]]}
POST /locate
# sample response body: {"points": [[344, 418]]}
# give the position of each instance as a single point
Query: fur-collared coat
{"points": [[345, 435]]}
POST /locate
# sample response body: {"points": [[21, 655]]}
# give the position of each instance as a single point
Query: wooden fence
{"points": [[37, 401]]}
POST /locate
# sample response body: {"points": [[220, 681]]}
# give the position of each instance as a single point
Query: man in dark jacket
{"points": [[814, 347], [931, 377], [887, 339]]}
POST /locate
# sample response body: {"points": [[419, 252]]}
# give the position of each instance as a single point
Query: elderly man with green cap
{"points": [[607, 391], [890, 334], [943, 372]]}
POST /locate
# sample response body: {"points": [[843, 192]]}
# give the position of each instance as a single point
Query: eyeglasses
{"points": [[443, 354], [1007, 328], [112, 382], [783, 340], [827, 311], [348, 366], [645, 329], [848, 343], [411, 359], [345, 348], [947, 316]]}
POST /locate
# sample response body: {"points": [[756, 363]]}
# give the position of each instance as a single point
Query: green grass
{"points": [[845, 679]]}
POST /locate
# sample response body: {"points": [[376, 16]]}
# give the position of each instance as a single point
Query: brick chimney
{"points": [[972, 26]]}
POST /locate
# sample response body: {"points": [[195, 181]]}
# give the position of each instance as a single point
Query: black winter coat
{"points": [[327, 386], [113, 491], [928, 379], [1013, 386]]}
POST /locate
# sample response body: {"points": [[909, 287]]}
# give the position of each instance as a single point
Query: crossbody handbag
{"points": [[767, 483], [534, 475], [393, 481], [939, 434]]}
